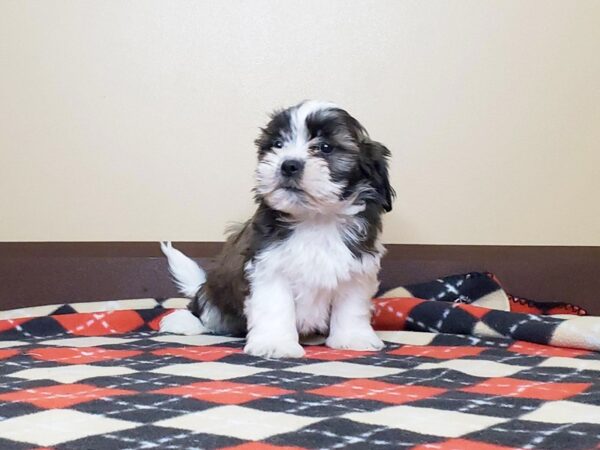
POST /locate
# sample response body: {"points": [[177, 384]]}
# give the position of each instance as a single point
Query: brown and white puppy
{"points": [[308, 260]]}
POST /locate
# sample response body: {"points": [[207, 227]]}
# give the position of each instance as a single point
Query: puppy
{"points": [[308, 260]]}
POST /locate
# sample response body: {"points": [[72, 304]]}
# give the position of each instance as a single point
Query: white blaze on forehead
{"points": [[321, 193], [299, 115]]}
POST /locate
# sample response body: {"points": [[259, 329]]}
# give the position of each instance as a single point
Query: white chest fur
{"points": [[314, 261]]}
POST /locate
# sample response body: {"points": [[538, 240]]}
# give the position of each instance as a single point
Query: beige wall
{"points": [[135, 120]]}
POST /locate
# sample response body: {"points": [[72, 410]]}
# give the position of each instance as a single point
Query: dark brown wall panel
{"points": [[57, 272]]}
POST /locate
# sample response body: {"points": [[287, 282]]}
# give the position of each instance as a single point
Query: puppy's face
{"points": [[314, 156]]}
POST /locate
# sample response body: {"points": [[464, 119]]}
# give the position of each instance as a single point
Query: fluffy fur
{"points": [[308, 260]]}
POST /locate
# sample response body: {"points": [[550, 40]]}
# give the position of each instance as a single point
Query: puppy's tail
{"points": [[187, 275]]}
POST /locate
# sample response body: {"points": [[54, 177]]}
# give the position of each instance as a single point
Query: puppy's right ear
{"points": [[373, 164], [263, 141]]}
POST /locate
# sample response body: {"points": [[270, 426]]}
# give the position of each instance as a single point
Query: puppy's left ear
{"points": [[374, 167]]}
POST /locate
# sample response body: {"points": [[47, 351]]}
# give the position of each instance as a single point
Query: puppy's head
{"points": [[316, 158]]}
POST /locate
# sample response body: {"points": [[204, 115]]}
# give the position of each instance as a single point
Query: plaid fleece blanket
{"points": [[98, 376], [480, 289]]}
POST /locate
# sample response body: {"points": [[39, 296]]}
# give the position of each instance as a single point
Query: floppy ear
{"points": [[373, 165]]}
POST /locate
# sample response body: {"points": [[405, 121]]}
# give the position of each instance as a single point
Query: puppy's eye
{"points": [[325, 148], [278, 143]]}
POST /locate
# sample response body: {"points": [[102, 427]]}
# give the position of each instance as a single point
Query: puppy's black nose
{"points": [[292, 167]]}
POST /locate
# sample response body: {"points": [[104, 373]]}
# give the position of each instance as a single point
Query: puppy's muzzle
{"points": [[292, 168]]}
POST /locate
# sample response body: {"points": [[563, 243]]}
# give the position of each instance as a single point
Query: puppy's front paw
{"points": [[287, 349], [365, 340]]}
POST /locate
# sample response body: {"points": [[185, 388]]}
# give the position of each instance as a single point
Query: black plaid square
{"points": [[142, 381], [314, 405], [149, 437], [143, 408], [288, 380], [345, 434], [487, 405], [541, 436], [436, 377]]}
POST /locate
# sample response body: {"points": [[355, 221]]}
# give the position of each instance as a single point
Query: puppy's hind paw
{"points": [[183, 322]]}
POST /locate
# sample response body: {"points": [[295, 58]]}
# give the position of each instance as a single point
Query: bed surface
{"points": [[101, 380]]}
